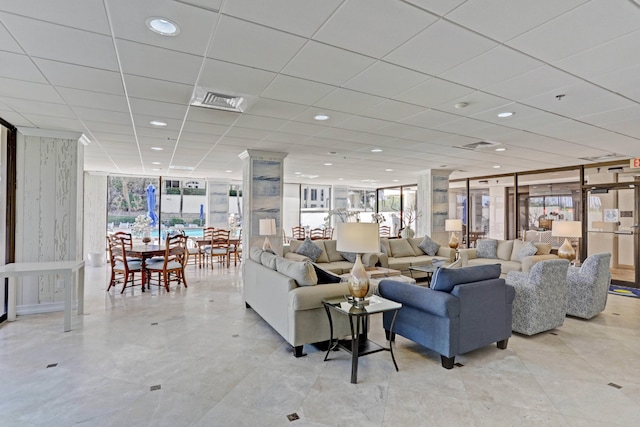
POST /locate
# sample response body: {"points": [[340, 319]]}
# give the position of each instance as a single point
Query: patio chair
{"points": [[171, 267], [328, 233], [120, 264], [385, 231], [204, 256]]}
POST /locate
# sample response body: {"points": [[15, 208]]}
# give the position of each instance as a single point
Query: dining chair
{"points": [[328, 233], [235, 249], [193, 252], [316, 234], [298, 233], [203, 255], [220, 246], [120, 264], [171, 267], [385, 231]]}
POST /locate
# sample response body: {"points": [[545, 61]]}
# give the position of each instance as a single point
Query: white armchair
{"points": [[588, 286]]}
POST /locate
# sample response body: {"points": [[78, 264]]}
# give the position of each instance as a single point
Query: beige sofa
{"points": [[330, 259], [295, 312], [400, 254], [507, 256]]}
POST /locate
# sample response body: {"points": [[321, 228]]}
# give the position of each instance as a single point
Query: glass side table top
{"points": [[373, 304]]}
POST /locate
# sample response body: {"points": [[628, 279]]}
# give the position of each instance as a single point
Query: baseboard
{"points": [[50, 307]]}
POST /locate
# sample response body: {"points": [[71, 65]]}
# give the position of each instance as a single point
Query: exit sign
{"points": [[635, 163]]}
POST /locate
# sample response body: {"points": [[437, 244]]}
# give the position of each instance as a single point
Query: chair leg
{"points": [[502, 344], [447, 362]]}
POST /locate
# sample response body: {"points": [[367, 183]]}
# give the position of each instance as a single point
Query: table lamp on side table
{"points": [[566, 229], [453, 225], [358, 237], [267, 228]]}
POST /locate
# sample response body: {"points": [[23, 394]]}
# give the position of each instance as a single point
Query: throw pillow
{"points": [[349, 256], [487, 248], [302, 272], [527, 250], [428, 246], [325, 276], [309, 249]]}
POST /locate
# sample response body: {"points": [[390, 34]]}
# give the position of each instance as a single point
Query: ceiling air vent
{"points": [[479, 145], [207, 98], [604, 158]]}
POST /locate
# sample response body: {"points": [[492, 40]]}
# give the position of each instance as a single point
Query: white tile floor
{"points": [[219, 364]]}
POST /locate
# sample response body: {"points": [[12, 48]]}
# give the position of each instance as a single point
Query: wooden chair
{"points": [[385, 231], [316, 234], [328, 233], [203, 255], [120, 265], [125, 237], [235, 249], [193, 252], [298, 233], [171, 267], [220, 246]]}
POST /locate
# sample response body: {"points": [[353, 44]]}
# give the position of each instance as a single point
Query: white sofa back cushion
{"points": [[302, 272]]}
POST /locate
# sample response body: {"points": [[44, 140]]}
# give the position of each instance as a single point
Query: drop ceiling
{"points": [[388, 74]]}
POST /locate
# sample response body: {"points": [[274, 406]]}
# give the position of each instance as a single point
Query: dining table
{"points": [[144, 252]]}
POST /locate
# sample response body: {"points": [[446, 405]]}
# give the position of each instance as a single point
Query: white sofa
{"points": [[295, 312], [400, 254], [507, 256], [330, 259]]}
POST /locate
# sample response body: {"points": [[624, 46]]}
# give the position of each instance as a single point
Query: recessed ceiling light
{"points": [[162, 26], [396, 180], [340, 179], [376, 150], [505, 114], [388, 170], [333, 153], [157, 123], [461, 105], [501, 149], [328, 164], [321, 117], [496, 166], [156, 163], [157, 148], [298, 173], [228, 171], [156, 169]]}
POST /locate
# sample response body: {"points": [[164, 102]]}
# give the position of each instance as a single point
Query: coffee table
{"points": [[359, 344]]}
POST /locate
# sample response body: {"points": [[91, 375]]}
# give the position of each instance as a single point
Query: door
{"points": [[612, 226]]}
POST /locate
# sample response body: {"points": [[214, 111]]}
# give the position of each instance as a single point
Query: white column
{"points": [[218, 202], [263, 192], [433, 204], [49, 218], [95, 214]]}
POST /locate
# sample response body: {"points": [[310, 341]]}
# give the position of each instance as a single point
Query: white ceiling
{"points": [[388, 73]]}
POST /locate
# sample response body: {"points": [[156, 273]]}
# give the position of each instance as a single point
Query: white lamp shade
{"points": [[358, 237], [268, 227], [566, 229], [453, 225]]}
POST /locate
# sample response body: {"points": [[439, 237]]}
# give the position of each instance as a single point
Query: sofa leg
{"points": [[297, 351], [246, 304], [390, 337], [502, 344], [447, 362]]}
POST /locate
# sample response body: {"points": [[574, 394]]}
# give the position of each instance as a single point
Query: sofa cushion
{"points": [[349, 256], [302, 272], [401, 248], [268, 260], [445, 279], [487, 248], [401, 264], [325, 276], [504, 249], [332, 253], [255, 254], [309, 249], [528, 249], [428, 246]]}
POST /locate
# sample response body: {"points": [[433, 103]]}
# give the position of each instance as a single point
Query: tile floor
{"points": [[197, 357]]}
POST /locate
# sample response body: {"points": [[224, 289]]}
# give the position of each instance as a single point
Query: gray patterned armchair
{"points": [[589, 286], [541, 293]]}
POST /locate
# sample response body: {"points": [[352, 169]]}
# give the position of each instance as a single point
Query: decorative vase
{"points": [[407, 232], [146, 237], [358, 282]]}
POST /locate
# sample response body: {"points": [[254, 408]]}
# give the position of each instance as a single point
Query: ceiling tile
{"points": [[88, 15], [373, 27], [250, 44], [438, 7], [424, 52], [85, 98], [434, 92], [79, 77], [234, 79], [385, 80], [275, 109], [316, 61], [158, 90], [28, 90], [16, 66], [291, 89], [348, 101], [532, 83], [157, 108], [39, 107]]}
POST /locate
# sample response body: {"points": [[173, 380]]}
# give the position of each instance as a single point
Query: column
{"points": [[433, 204], [95, 214], [218, 204], [263, 192]]}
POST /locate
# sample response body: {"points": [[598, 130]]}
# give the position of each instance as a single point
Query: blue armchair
{"points": [[465, 309], [588, 286], [540, 296]]}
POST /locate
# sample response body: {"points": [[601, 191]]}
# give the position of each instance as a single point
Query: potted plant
{"points": [[409, 216]]}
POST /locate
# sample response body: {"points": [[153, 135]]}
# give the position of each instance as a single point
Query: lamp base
{"points": [[266, 245], [566, 251], [358, 282], [453, 241]]}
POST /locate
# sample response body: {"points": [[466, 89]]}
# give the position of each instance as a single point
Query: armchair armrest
{"points": [[530, 261], [383, 260], [296, 257], [441, 304], [447, 252], [517, 278], [370, 259], [466, 255]]}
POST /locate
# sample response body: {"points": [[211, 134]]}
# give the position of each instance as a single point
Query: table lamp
{"points": [[566, 229], [453, 225], [358, 237], [267, 228]]}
